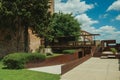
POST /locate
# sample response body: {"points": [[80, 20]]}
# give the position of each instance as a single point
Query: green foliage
{"points": [[65, 25], [25, 12], [21, 14], [35, 57], [113, 50], [17, 60], [72, 51], [8, 74]]}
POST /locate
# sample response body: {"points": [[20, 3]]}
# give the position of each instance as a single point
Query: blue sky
{"points": [[96, 16]]}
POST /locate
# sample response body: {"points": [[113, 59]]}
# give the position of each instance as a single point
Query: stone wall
{"points": [[51, 4], [34, 41], [10, 41], [13, 41]]}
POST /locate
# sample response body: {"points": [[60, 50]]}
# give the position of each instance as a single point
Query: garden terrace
{"points": [[69, 42], [67, 61], [86, 49]]}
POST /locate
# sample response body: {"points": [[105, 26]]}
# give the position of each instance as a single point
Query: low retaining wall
{"points": [[118, 56], [53, 60], [70, 65], [69, 61]]}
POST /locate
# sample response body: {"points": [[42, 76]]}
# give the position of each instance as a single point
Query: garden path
{"points": [[95, 69]]}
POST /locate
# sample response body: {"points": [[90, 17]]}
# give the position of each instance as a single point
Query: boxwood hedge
{"points": [[71, 51], [18, 60]]}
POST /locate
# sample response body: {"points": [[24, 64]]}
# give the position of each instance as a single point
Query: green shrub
{"points": [[15, 60], [0, 58], [113, 50], [72, 51], [35, 57], [18, 60]]}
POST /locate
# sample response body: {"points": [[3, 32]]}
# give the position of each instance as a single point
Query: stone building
{"points": [[11, 41], [51, 9]]}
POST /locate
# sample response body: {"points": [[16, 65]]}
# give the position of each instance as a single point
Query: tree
{"points": [[65, 25], [16, 14]]}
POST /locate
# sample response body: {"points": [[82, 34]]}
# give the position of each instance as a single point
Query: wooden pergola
{"points": [[84, 35]]}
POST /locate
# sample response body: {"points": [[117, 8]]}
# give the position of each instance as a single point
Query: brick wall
{"points": [[53, 60], [70, 65], [68, 61]]}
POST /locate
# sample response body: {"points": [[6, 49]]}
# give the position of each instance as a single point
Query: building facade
{"points": [[34, 41]]}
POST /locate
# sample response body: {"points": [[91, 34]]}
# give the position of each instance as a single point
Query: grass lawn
{"points": [[24, 74], [54, 55]]}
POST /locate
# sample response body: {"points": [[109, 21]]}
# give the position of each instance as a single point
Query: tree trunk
{"points": [[26, 38], [18, 32], [18, 39]]}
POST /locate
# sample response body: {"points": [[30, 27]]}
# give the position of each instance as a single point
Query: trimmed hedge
{"points": [[72, 51], [35, 57], [18, 60]]}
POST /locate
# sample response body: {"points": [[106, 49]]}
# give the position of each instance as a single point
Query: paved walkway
{"points": [[95, 69], [56, 69]]}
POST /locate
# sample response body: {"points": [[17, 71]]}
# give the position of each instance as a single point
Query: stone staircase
{"points": [[97, 52]]}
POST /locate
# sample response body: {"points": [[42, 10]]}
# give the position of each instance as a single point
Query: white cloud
{"points": [[109, 32], [107, 29], [86, 21], [118, 17], [80, 7], [114, 6], [106, 32], [72, 6]]}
